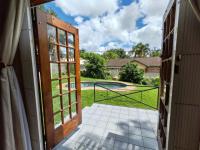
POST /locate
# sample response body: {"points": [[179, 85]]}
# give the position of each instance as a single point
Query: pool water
{"points": [[110, 85]]}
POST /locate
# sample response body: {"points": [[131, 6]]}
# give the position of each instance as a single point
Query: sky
{"points": [[106, 24]]}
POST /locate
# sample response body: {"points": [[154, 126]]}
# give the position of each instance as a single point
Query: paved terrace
{"points": [[107, 127]]}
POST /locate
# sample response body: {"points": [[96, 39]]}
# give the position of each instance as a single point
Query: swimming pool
{"points": [[110, 85]]}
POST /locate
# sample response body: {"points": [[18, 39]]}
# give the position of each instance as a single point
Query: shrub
{"points": [[146, 81], [95, 67], [155, 81], [151, 81], [131, 73]]}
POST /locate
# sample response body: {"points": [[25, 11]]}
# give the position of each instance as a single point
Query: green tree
{"points": [[131, 73], [155, 53], [119, 51], [110, 55], [84, 54], [95, 66], [48, 10], [140, 50]]}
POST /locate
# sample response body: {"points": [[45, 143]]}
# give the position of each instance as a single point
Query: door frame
{"points": [[54, 136]]}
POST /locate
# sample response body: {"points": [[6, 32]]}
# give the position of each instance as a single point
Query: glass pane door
{"points": [[58, 53]]}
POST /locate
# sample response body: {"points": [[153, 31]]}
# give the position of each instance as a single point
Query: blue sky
{"points": [[70, 19], [113, 24]]}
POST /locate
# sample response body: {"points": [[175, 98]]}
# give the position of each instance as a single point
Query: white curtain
{"points": [[14, 132]]}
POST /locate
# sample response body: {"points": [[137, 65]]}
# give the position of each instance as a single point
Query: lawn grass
{"points": [[148, 97], [132, 100], [87, 98]]}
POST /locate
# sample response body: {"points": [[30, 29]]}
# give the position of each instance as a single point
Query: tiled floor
{"points": [[107, 127]]}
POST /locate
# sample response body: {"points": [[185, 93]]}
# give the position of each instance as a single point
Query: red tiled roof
{"points": [[118, 62], [147, 61]]}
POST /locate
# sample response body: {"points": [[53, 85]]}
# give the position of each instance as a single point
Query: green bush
{"points": [[146, 81], [151, 81], [155, 81], [95, 67], [131, 73]]}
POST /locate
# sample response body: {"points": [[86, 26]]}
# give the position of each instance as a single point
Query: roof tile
{"points": [[147, 61]]}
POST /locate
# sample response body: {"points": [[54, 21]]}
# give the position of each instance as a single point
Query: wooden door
{"points": [[59, 71]]}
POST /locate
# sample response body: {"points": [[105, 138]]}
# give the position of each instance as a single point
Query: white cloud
{"points": [[111, 45], [90, 8], [94, 33], [110, 25], [152, 32], [149, 34], [153, 10], [78, 19]]}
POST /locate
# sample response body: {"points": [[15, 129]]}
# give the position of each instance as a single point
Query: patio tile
{"points": [[124, 127], [133, 117], [115, 107], [95, 117], [148, 133], [123, 111], [150, 143], [124, 120], [106, 127], [155, 125], [106, 113], [86, 128], [146, 125], [104, 118], [84, 121], [107, 142], [121, 138], [134, 123], [82, 139], [119, 145], [98, 113], [113, 120], [144, 119], [142, 111], [101, 124], [91, 122], [121, 133], [134, 130], [98, 131], [115, 115], [134, 147], [68, 146], [86, 116], [135, 139], [112, 126], [124, 116], [92, 139]]}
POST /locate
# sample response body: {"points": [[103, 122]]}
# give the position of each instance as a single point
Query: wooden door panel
{"points": [[58, 52], [38, 2]]}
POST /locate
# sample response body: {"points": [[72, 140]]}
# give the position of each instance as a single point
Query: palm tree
{"points": [[140, 50], [155, 53]]}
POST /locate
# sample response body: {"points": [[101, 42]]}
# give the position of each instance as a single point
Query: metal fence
{"points": [[145, 95]]}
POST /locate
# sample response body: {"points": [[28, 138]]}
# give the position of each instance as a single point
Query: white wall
{"points": [[114, 72]]}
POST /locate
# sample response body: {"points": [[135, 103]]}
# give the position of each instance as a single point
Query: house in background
{"points": [[82, 64], [150, 66], [22, 125]]}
